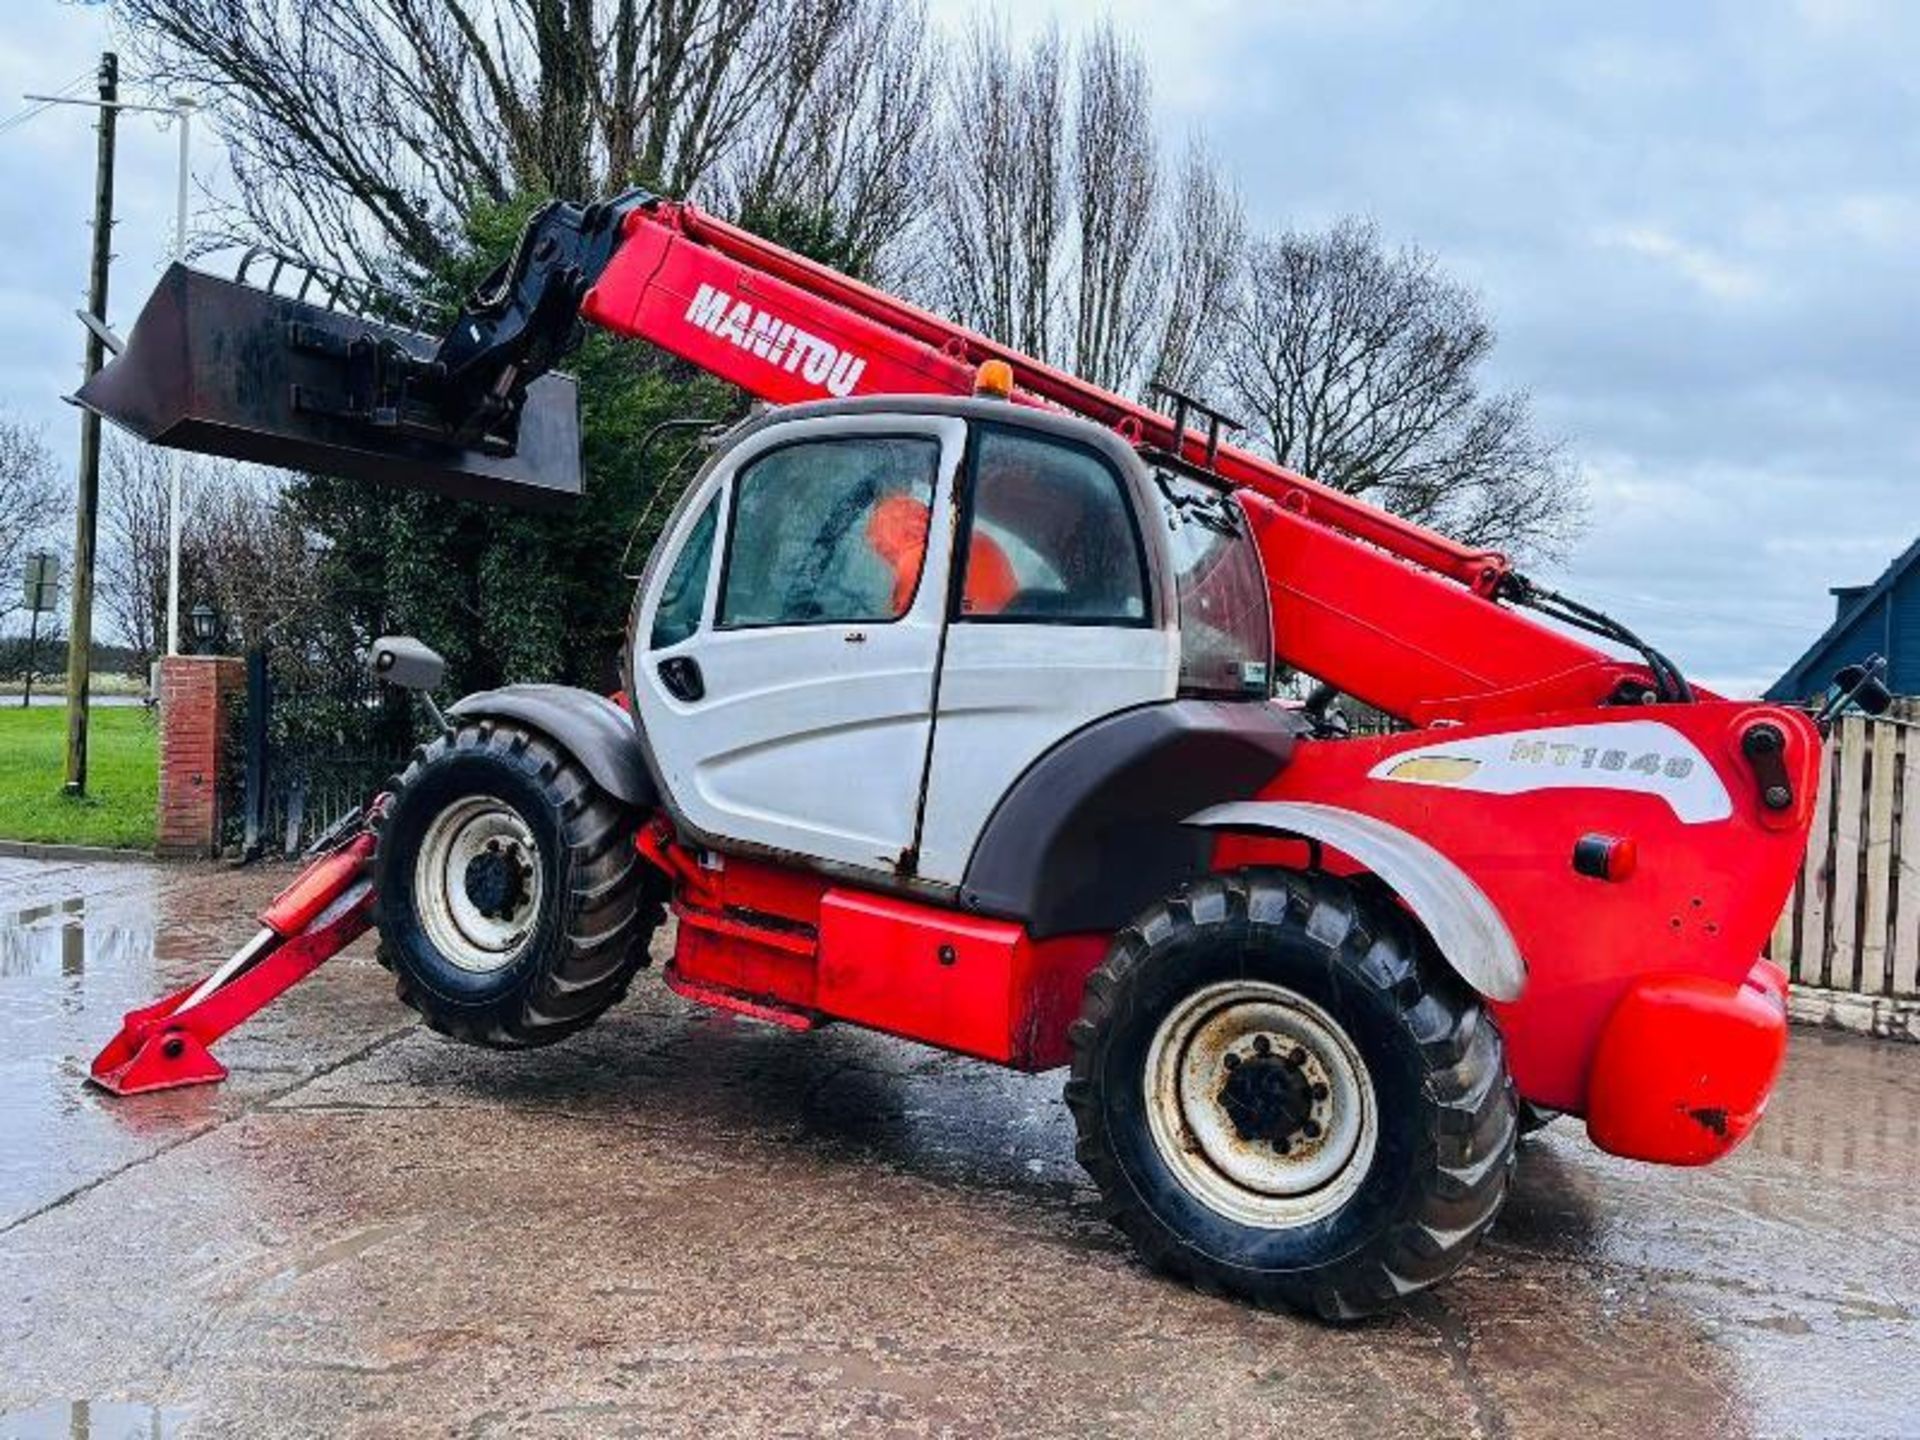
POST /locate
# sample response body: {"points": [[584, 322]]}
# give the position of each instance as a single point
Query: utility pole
{"points": [[85, 520]]}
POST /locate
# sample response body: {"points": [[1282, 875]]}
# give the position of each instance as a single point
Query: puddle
{"points": [[70, 966], [58, 938], [94, 1420]]}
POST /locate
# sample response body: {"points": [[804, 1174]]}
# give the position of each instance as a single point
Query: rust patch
{"points": [[1710, 1117]]}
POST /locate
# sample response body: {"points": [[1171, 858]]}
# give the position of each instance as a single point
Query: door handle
{"points": [[681, 675]]}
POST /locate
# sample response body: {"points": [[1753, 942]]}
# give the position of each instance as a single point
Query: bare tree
{"points": [[261, 566], [362, 131], [1361, 366], [1209, 236], [1121, 235], [131, 573], [1057, 228], [838, 154], [1000, 196], [31, 503], [241, 548]]}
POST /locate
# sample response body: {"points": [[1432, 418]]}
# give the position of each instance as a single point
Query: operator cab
{"points": [[867, 619]]}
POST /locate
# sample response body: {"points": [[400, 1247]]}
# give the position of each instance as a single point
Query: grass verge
{"points": [[122, 778]]}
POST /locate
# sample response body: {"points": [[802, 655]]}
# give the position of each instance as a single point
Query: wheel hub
{"points": [[477, 883], [1268, 1096], [1260, 1104], [497, 879]]}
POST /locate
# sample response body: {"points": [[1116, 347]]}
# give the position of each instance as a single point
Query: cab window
{"points": [[829, 532], [1051, 537], [1226, 637], [678, 615]]}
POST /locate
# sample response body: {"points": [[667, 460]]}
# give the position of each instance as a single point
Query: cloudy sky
{"points": [[1698, 226]]}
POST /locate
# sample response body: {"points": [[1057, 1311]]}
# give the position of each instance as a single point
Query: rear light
{"points": [[1605, 857]]}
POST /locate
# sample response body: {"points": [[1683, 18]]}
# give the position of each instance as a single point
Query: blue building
{"points": [[1878, 619]]}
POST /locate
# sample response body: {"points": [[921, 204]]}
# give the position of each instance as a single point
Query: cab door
{"points": [[785, 648], [1057, 623]]}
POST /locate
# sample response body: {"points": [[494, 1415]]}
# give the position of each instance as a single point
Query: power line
{"points": [[21, 117]]}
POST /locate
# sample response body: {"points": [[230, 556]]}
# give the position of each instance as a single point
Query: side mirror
{"points": [[404, 663]]}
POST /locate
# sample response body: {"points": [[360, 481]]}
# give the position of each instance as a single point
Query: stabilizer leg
{"points": [[165, 1045]]}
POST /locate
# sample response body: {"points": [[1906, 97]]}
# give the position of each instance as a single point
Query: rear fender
{"points": [[1465, 926], [593, 729]]}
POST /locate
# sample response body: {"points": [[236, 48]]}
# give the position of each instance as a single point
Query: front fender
{"points": [[593, 729], [1465, 925]]}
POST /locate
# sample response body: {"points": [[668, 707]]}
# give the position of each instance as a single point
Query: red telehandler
{"points": [[949, 710]]}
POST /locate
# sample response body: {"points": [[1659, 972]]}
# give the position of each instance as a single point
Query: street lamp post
{"points": [[182, 107]]}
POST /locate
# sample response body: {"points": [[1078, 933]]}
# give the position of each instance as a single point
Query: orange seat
{"points": [[897, 530]]}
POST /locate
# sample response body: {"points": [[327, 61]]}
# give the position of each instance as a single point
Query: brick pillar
{"points": [[197, 694]]}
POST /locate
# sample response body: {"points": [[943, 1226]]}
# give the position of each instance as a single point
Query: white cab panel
{"points": [[810, 738], [1008, 694]]}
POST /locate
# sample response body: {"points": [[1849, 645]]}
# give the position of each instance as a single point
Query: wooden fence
{"points": [[1853, 924]]}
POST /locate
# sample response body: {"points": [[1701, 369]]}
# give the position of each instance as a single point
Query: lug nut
{"points": [[1311, 1129], [1319, 1091], [1298, 1057], [1262, 1045], [1282, 1146], [1232, 1061]]}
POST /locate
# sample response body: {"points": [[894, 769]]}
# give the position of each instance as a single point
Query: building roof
{"points": [[1878, 619]]}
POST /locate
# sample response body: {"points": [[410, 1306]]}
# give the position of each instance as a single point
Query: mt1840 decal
{"points": [[1644, 756]]}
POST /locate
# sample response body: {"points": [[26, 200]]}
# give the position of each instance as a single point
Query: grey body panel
{"points": [[986, 410], [593, 729], [1096, 830]]}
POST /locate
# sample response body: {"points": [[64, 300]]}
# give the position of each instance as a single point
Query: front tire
{"points": [[1284, 1095], [513, 908]]}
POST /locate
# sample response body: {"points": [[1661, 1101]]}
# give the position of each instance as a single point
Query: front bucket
{"points": [[210, 367]]}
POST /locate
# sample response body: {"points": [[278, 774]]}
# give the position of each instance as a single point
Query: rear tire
{"points": [[1284, 1095], [513, 908], [1535, 1118]]}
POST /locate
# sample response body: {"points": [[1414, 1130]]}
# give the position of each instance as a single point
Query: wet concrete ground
{"points": [[683, 1224]]}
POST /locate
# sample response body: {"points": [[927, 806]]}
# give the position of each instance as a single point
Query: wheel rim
{"points": [[1260, 1104], [477, 883]]}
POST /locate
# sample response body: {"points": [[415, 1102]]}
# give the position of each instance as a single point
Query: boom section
{"points": [[1389, 611]]}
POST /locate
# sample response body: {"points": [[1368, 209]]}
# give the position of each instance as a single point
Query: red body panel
{"points": [[964, 983], [788, 946], [1685, 1065], [1701, 900]]}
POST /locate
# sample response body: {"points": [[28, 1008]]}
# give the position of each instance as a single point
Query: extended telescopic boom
{"points": [[1386, 610]]}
